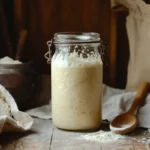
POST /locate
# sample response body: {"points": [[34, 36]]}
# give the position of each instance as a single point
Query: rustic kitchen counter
{"points": [[44, 136]]}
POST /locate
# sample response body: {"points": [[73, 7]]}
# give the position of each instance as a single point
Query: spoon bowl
{"points": [[123, 123], [126, 122]]}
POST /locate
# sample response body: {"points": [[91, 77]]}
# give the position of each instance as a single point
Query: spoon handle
{"points": [[140, 97]]}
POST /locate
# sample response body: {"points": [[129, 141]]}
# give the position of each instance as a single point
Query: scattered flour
{"points": [[8, 60], [103, 137]]}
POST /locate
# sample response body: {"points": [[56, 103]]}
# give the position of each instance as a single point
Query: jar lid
{"points": [[76, 37]]}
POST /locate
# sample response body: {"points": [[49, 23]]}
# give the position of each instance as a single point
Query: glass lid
{"points": [[76, 37]]}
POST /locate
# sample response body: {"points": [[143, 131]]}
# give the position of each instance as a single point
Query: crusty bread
{"points": [[4, 107]]}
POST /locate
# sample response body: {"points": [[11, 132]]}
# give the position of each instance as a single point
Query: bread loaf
{"points": [[4, 107]]}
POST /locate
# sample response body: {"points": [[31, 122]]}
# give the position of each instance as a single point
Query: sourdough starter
{"points": [[76, 94]]}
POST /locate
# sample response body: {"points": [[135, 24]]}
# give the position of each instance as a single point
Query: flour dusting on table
{"points": [[103, 136]]}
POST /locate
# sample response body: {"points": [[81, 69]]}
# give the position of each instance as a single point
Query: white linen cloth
{"points": [[18, 121], [115, 102], [138, 31]]}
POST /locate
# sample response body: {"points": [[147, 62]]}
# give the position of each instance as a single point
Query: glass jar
{"points": [[76, 77]]}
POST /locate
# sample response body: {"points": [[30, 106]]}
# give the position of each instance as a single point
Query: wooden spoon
{"points": [[126, 122]]}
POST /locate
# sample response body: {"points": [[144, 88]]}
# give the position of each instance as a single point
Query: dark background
{"points": [[42, 18]]}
